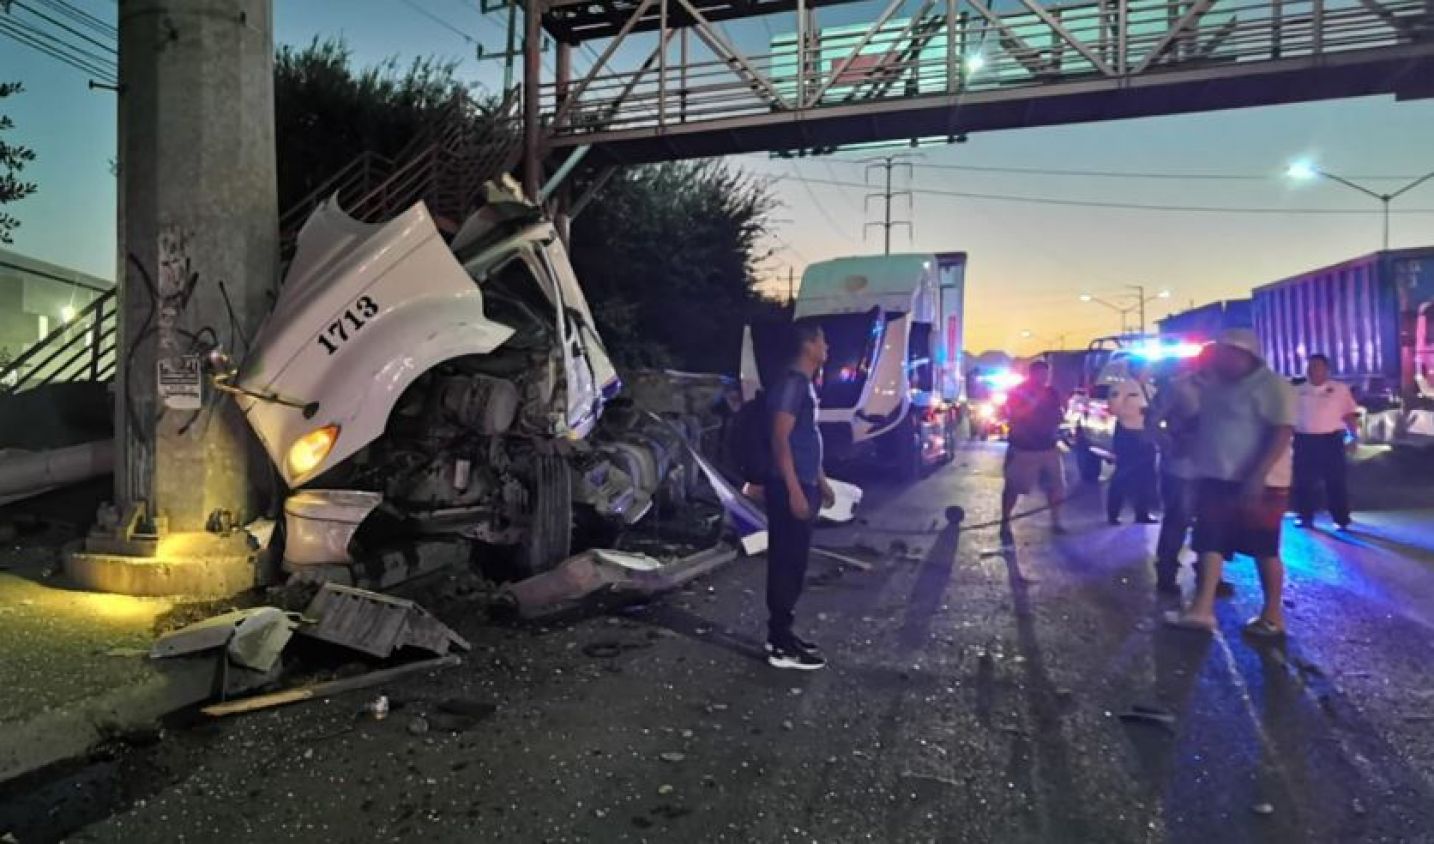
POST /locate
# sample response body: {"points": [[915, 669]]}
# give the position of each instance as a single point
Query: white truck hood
{"points": [[364, 310]]}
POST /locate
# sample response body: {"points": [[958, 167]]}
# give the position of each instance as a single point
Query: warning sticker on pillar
{"points": [[181, 382]]}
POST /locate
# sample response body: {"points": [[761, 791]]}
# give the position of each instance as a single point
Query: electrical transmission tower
{"points": [[887, 164]]}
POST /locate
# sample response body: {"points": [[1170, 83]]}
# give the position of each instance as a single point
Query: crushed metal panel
{"points": [[260, 639], [254, 637], [376, 624]]}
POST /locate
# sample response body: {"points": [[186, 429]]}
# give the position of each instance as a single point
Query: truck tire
{"points": [[1088, 463], [550, 537]]}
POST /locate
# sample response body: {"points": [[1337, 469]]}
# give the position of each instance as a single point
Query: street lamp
{"points": [[1140, 301], [1305, 170]]}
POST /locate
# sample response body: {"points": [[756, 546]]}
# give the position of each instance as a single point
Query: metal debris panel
{"points": [[376, 624]]}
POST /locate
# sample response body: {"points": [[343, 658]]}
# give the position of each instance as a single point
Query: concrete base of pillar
{"points": [[190, 564]]}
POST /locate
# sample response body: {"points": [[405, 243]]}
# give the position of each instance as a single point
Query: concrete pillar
{"points": [[198, 219]]}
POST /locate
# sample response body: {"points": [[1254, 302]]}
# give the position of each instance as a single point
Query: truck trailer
{"points": [[1371, 316]]}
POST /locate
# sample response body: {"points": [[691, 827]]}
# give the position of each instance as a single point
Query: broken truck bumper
{"points": [[616, 572]]}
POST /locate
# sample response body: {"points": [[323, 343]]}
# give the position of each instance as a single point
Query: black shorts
{"points": [[1225, 524]]}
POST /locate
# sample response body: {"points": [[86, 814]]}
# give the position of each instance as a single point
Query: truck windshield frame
{"points": [[852, 344]]}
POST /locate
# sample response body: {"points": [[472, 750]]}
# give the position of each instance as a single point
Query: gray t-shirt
{"points": [[1235, 419], [795, 394]]}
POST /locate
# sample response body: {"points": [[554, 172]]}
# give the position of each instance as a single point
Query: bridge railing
{"points": [[942, 50]]}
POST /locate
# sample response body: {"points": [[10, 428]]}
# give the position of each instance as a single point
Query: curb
{"points": [[72, 730]]}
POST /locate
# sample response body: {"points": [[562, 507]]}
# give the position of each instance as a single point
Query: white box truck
{"points": [[893, 388]]}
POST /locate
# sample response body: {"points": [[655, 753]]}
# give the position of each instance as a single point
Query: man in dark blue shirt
{"points": [[796, 491]]}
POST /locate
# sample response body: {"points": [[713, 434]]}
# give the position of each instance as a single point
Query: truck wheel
{"points": [[550, 537], [1088, 463]]}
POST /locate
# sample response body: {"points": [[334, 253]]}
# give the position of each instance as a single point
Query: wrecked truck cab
{"points": [[447, 391]]}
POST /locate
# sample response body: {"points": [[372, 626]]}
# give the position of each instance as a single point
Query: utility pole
{"points": [[198, 250], [791, 285], [532, 92], [887, 164]]}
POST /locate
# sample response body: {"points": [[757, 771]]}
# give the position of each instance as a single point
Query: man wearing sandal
{"points": [[1244, 462]]}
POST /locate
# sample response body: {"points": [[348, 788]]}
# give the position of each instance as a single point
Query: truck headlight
{"points": [[310, 450]]}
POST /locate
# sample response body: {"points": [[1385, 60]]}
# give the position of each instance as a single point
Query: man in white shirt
{"points": [[1326, 413], [1242, 456], [1134, 477]]}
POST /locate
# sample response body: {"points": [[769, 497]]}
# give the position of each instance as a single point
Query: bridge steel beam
{"points": [[1038, 64]]}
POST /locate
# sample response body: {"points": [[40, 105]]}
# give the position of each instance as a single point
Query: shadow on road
{"points": [[928, 591]]}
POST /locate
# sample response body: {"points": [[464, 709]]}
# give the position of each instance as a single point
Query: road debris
{"points": [[376, 624], [1263, 809], [418, 726], [843, 559], [252, 638], [620, 573], [378, 707], [319, 691], [673, 756]]}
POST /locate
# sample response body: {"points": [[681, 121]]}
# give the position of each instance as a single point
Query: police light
{"points": [[1155, 351], [1002, 379]]}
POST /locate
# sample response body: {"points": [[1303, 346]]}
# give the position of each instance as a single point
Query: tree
{"points": [[326, 113], [666, 254], [13, 159]]}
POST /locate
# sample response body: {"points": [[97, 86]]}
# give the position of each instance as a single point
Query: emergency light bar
{"points": [[1003, 379], [1167, 351]]}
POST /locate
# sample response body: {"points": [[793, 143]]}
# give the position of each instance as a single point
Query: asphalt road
{"points": [[973, 696]]}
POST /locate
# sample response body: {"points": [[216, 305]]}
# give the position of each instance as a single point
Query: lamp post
{"points": [[1304, 171], [1123, 311], [1145, 300], [1140, 301]]}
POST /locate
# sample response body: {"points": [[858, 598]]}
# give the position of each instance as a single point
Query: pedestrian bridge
{"points": [[667, 80]]}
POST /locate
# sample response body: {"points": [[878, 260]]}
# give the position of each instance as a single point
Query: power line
{"points": [[9, 29], [826, 215], [1132, 206], [82, 17], [58, 43], [109, 47], [440, 21], [1100, 174]]}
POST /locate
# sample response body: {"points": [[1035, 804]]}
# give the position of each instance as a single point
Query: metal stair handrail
{"points": [[82, 349]]}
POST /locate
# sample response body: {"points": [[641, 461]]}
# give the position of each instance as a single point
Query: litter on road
{"points": [[318, 691]]}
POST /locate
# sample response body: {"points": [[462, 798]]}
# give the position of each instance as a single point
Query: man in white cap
{"points": [[1244, 463]]}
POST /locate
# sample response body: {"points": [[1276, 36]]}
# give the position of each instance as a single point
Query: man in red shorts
{"points": [[1244, 464]]}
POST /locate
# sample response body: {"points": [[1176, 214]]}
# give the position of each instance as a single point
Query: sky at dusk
{"points": [[1029, 261]]}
